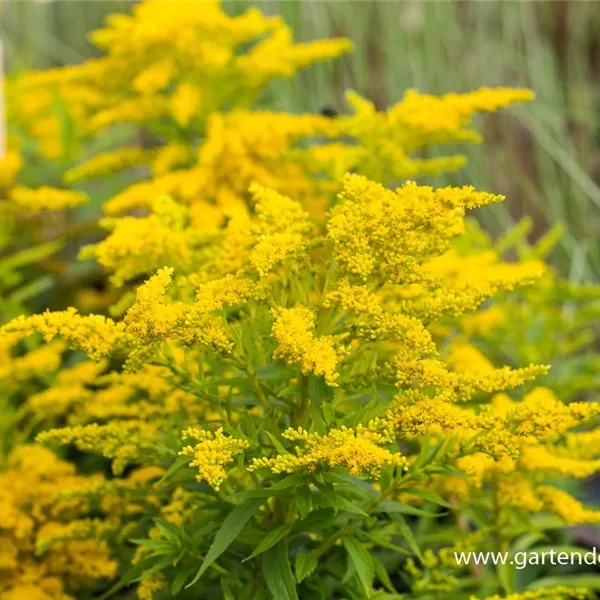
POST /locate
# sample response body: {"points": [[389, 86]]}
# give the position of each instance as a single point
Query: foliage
{"points": [[299, 383]]}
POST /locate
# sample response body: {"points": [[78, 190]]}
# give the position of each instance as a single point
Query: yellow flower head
{"points": [[358, 450], [212, 453]]}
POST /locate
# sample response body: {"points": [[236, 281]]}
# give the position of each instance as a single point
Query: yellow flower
{"points": [[150, 585], [137, 246], [416, 414], [96, 335], [545, 593], [10, 165], [294, 330], [542, 415], [45, 198], [226, 291], [358, 450], [108, 162], [465, 358], [121, 441], [153, 318], [535, 458], [378, 233], [212, 453], [570, 510], [48, 543], [185, 103]]}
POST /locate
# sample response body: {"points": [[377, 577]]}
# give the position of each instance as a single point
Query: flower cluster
{"points": [[42, 547], [363, 373], [360, 451], [211, 454]]}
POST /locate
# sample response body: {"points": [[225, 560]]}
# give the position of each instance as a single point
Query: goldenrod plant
{"points": [[309, 376]]}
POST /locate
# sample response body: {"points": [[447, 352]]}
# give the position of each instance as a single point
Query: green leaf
{"points": [[132, 574], [275, 490], [227, 593], [328, 491], [429, 454], [406, 533], [526, 541], [383, 576], [275, 371], [270, 540], [384, 543], [276, 443], [427, 495], [589, 582], [181, 577], [177, 464], [347, 506], [506, 577], [362, 561], [248, 423], [31, 289], [278, 573], [390, 507], [317, 520], [229, 530], [30, 255], [304, 565], [303, 497], [328, 413]]}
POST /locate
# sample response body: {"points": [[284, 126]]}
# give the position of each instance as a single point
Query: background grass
{"points": [[544, 156]]}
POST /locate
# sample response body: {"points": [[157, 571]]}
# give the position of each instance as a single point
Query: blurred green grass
{"points": [[543, 156]]}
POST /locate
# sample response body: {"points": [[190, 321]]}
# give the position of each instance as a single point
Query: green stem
{"points": [[302, 409]]}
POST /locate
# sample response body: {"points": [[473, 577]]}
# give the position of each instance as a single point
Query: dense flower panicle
{"points": [[228, 254], [16, 369], [94, 334], [386, 138], [358, 450], [109, 162], [466, 283], [466, 358], [151, 318], [484, 321], [277, 212], [150, 585], [212, 453], [154, 318], [121, 441], [45, 198], [58, 401], [294, 330], [535, 458], [239, 148], [570, 510], [451, 112], [10, 165], [428, 372], [147, 77], [32, 565], [273, 249], [546, 593], [138, 246], [542, 415], [417, 414], [583, 444], [281, 228], [226, 291], [517, 492], [389, 235], [375, 321]]}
